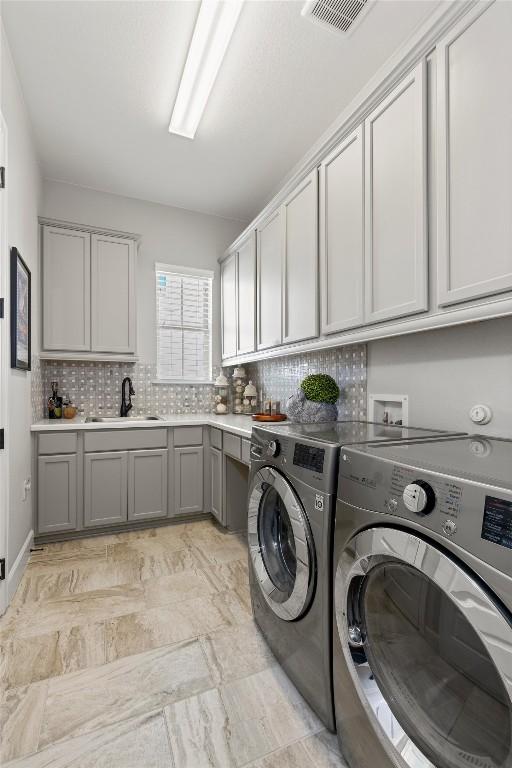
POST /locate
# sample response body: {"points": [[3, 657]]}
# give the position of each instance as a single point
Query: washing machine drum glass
{"points": [[428, 675], [281, 545], [277, 542]]}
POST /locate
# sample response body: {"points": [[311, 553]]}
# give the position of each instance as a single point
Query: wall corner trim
{"points": [[18, 567]]}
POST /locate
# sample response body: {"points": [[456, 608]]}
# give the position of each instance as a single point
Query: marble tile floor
{"points": [[138, 650]]}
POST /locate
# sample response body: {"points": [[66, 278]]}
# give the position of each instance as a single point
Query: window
{"points": [[184, 323]]}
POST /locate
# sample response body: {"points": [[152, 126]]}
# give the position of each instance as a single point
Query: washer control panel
{"points": [[304, 460], [309, 457]]}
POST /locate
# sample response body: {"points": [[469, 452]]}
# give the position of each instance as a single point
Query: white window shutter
{"points": [[184, 324]]}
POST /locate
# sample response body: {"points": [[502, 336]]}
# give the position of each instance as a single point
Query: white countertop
{"points": [[238, 425]]}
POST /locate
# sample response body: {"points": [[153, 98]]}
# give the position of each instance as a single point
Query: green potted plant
{"points": [[315, 400]]}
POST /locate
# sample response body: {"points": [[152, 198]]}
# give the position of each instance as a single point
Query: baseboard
{"points": [[18, 567], [51, 538]]}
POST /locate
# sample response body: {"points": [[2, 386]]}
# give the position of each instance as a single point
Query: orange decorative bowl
{"points": [[268, 417]]}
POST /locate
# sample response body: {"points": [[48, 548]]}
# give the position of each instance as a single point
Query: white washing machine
{"points": [[422, 630]]}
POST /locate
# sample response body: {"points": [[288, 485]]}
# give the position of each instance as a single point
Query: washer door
{"points": [[280, 545], [429, 651]]}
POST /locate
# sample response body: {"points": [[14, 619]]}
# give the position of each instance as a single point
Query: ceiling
{"points": [[100, 79]]}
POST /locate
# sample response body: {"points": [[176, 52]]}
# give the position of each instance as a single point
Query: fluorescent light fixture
{"points": [[214, 26]]}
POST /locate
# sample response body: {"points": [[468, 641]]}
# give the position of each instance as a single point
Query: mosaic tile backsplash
{"points": [[95, 388], [37, 390], [278, 378]]}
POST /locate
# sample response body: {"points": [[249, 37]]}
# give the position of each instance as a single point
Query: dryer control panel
{"points": [[441, 493], [472, 515]]}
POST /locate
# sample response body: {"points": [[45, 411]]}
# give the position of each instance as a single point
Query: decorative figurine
{"points": [[250, 404], [221, 394], [238, 384]]}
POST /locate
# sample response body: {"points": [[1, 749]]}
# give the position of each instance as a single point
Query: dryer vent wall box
{"points": [[389, 409], [341, 16]]}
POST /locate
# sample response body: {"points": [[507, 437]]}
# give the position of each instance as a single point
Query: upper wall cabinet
{"points": [[246, 295], [112, 294], [299, 222], [342, 235], [66, 269], [426, 151], [88, 293], [228, 280], [474, 155], [269, 282], [238, 294], [396, 202]]}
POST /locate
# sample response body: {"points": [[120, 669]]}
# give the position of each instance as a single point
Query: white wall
{"points": [[447, 371], [23, 183], [169, 235]]}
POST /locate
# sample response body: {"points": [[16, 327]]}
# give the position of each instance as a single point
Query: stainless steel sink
{"points": [[113, 419]]}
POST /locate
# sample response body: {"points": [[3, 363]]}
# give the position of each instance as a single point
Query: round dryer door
{"points": [[429, 651], [280, 545]]}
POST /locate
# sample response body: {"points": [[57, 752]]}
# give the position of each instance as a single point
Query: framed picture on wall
{"points": [[20, 312]]}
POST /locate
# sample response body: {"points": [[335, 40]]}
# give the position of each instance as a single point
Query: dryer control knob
{"points": [[419, 497], [273, 448]]}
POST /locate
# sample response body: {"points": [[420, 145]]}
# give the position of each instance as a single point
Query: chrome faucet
{"points": [[126, 405]]}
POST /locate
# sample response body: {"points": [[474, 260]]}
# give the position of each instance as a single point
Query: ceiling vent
{"points": [[337, 15]]}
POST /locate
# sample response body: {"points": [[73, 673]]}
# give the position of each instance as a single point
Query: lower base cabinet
{"points": [[119, 478], [57, 493], [147, 484], [105, 488], [188, 480], [216, 482], [124, 485]]}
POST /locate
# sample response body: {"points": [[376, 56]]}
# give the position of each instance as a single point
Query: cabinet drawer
{"points": [[233, 445], [246, 451], [216, 438], [53, 444], [125, 440], [188, 436]]}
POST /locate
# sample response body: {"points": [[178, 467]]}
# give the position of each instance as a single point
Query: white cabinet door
{"points": [[396, 198], [188, 480], [105, 488], [147, 484], [66, 290], [57, 493], [229, 306], [113, 318], [269, 282], [342, 235], [246, 298], [299, 215], [474, 155]]}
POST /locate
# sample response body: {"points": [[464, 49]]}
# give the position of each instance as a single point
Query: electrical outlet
{"points": [[27, 487]]}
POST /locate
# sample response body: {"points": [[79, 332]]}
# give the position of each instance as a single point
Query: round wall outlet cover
{"points": [[480, 414]]}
